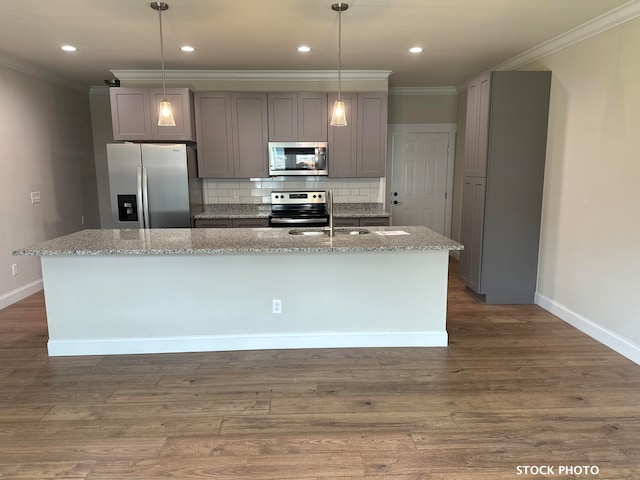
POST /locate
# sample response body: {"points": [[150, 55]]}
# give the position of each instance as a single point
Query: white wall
{"points": [[590, 239], [45, 133]]}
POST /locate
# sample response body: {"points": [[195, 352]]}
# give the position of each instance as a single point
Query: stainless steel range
{"points": [[303, 208]]}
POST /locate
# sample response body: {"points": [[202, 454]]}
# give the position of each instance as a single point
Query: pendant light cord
{"points": [[164, 88], [339, 51]]}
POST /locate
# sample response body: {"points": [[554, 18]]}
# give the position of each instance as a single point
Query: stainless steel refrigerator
{"points": [[153, 185]]}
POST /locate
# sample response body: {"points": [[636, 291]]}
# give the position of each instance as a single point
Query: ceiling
{"points": [[461, 38]]}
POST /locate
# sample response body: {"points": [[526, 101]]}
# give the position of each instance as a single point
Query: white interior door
{"points": [[419, 179]]}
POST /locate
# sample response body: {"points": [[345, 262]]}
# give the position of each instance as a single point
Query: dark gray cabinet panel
{"points": [[297, 117], [501, 227], [232, 223], [134, 114], [362, 222], [359, 150]]}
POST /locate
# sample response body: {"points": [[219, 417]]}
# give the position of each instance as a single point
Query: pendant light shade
{"points": [[165, 113], [339, 117]]}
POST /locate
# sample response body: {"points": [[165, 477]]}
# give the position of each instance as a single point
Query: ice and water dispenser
{"points": [[127, 208]]}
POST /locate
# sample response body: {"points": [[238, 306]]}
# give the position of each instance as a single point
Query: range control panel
{"points": [[299, 197]]}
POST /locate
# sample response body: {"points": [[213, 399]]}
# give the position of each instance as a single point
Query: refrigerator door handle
{"points": [[145, 198], [139, 198]]}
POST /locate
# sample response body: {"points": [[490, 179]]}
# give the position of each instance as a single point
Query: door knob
{"points": [[396, 202], [395, 194]]}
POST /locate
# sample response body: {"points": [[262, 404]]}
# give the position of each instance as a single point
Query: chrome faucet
{"points": [[330, 229]]}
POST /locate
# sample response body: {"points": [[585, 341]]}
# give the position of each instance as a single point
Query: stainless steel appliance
{"points": [[298, 158], [302, 208], [153, 185]]}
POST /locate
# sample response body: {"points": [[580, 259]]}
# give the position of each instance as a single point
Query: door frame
{"points": [[448, 128]]}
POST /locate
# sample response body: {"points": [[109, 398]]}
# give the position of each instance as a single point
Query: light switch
{"points": [[35, 197]]}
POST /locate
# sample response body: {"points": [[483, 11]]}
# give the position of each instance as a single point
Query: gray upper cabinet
{"points": [[232, 134], [297, 117], [343, 141], [504, 175], [477, 126], [359, 150], [134, 114]]}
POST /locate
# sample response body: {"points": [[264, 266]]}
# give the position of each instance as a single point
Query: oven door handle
{"points": [[296, 221]]}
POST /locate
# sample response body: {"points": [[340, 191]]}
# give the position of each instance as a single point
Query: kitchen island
{"points": [[179, 290]]}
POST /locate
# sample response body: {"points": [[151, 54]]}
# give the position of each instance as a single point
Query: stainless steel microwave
{"points": [[298, 158]]}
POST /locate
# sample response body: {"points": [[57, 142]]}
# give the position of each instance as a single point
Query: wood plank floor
{"points": [[515, 387]]}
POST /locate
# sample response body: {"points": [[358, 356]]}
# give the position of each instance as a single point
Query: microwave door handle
{"points": [[139, 198]]}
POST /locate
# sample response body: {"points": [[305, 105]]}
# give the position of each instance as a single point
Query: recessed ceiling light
{"points": [[304, 49], [415, 49], [68, 48], [187, 48]]}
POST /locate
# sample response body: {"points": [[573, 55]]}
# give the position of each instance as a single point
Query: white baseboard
{"points": [[591, 328], [221, 343], [20, 293]]}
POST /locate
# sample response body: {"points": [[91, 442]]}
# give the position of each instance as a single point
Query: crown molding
{"points": [[99, 90], [615, 17], [35, 71], [251, 75], [423, 91]]}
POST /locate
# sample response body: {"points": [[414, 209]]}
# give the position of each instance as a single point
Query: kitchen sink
{"points": [[316, 232]]}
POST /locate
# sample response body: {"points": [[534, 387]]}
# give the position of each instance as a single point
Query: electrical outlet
{"points": [[35, 197], [14, 269], [277, 306]]}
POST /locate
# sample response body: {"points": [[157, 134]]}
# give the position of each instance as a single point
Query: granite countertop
{"points": [[212, 241], [262, 210]]}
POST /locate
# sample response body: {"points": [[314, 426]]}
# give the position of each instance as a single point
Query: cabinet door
{"points": [[346, 222], [181, 100], [130, 113], [250, 222], [283, 117], [214, 134], [374, 222], [342, 141], [477, 126], [472, 232], [251, 133], [312, 117], [372, 134], [214, 223]]}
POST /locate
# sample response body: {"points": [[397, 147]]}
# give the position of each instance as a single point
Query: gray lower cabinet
{"points": [[297, 117], [507, 115], [232, 134], [361, 222], [359, 150], [232, 223], [134, 114]]}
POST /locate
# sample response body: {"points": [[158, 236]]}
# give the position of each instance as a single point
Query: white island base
{"points": [[124, 304]]}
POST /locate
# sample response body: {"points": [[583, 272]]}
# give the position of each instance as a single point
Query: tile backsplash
{"points": [[258, 190]]}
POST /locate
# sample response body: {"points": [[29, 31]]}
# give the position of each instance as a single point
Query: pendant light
{"points": [[165, 113], [339, 118]]}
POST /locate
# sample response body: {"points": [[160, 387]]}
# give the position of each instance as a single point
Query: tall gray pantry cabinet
{"points": [[505, 148]]}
